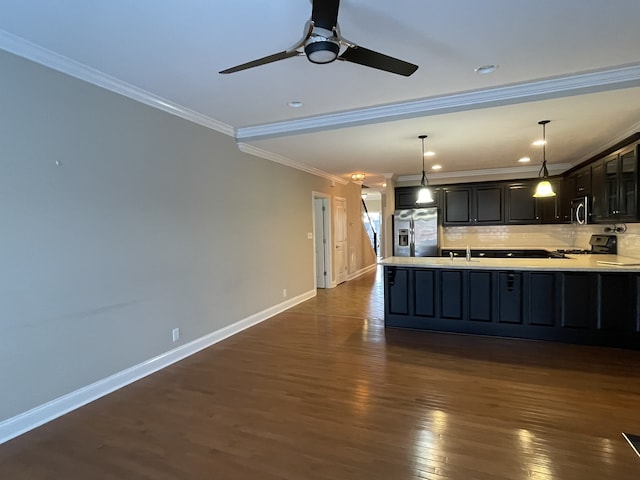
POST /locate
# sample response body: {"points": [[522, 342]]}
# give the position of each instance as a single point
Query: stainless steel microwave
{"points": [[580, 211]]}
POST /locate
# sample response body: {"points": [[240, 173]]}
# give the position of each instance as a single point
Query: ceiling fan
{"points": [[322, 43]]}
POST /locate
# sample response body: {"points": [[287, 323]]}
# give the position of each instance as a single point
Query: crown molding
{"points": [[515, 172], [31, 51], [634, 129], [589, 82], [274, 157]]}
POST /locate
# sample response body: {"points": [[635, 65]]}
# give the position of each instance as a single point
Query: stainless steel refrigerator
{"points": [[415, 232]]}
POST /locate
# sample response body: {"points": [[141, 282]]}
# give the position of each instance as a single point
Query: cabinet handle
{"points": [[510, 281], [391, 276]]}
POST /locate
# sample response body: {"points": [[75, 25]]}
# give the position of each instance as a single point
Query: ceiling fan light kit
{"points": [[544, 188], [322, 41], [322, 46]]}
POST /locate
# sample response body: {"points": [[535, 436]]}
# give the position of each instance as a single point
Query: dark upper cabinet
{"points": [[554, 209], [569, 192], [610, 182], [457, 206], [615, 186], [405, 197], [473, 205], [574, 185], [487, 201], [598, 204], [583, 182], [521, 207]]}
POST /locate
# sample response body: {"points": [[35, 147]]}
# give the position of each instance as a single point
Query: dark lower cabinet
{"points": [[425, 288], [510, 297], [480, 296], [541, 298], [452, 300], [598, 308], [396, 291], [578, 294], [619, 315]]}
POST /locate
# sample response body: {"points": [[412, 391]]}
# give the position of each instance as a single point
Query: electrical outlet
{"points": [[175, 334], [310, 236], [284, 293]]}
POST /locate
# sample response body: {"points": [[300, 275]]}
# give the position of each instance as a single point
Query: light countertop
{"points": [[589, 262]]}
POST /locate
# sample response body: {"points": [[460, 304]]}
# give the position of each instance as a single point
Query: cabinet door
{"points": [[616, 314], [510, 297], [488, 205], [583, 181], [406, 197], [542, 299], [628, 184], [424, 292], [520, 204], [457, 206], [550, 208], [451, 291], [611, 194], [598, 205], [569, 192], [579, 305], [480, 294], [396, 284]]}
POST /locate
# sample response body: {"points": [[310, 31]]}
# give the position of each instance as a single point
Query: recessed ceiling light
{"points": [[384, 185], [295, 104], [436, 167], [538, 143], [429, 153], [484, 69], [524, 160]]}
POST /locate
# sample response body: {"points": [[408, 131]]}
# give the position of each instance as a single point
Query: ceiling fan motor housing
{"points": [[322, 46]]}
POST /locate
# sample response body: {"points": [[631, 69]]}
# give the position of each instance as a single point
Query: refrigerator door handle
{"points": [[412, 239]]}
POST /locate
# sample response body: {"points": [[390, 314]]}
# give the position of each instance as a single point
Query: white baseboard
{"points": [[362, 271], [23, 422]]}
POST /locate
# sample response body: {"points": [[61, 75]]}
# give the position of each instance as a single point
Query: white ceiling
{"points": [[575, 62]]}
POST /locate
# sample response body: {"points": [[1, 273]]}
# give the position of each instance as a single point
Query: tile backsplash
{"points": [[538, 236]]}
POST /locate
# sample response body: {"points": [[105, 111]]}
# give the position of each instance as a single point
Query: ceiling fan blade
{"points": [[262, 61], [324, 13], [369, 58]]}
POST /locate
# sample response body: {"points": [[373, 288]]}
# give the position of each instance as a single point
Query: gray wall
{"points": [[149, 222]]}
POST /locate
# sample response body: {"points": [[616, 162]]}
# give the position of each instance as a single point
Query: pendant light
{"points": [[544, 188], [424, 195]]}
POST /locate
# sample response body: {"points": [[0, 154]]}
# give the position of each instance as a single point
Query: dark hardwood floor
{"points": [[323, 391]]}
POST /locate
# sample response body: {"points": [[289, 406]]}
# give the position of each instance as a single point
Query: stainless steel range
{"points": [[602, 244]]}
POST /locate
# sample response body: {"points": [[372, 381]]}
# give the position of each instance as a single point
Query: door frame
{"points": [[318, 198]]}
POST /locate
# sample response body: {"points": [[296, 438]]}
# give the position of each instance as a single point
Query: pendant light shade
{"points": [[544, 188], [424, 195]]}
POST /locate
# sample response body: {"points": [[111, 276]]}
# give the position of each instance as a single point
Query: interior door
{"points": [[321, 242], [340, 250]]}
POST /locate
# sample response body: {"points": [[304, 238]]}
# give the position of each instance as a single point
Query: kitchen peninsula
{"points": [[587, 299]]}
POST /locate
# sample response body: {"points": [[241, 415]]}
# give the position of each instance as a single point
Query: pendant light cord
{"points": [[424, 182], [544, 173]]}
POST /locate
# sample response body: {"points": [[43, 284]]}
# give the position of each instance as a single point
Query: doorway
{"points": [[322, 239]]}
